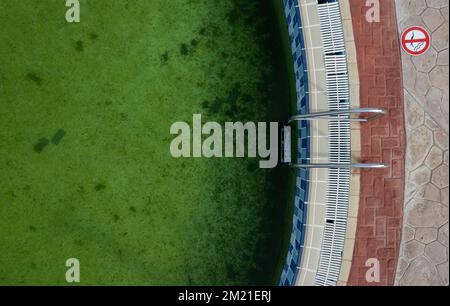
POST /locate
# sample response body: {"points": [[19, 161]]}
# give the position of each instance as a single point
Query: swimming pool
{"points": [[85, 164]]}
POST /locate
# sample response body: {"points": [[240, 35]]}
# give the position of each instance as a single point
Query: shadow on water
{"points": [[271, 251]]}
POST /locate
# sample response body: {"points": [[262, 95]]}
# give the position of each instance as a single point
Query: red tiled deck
{"points": [[380, 216]]}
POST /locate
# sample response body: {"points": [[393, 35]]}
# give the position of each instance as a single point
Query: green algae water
{"points": [[85, 166]]}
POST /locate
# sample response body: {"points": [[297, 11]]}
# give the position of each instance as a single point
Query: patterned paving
{"points": [[381, 201], [424, 252]]}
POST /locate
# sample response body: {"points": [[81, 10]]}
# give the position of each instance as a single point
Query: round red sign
{"points": [[416, 41]]}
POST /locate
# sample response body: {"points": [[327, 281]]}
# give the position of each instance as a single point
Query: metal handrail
{"points": [[328, 115], [377, 113], [340, 166]]}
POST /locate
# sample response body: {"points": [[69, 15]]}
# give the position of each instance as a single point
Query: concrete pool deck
{"points": [[424, 247]]}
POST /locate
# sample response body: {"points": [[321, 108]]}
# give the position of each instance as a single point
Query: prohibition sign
{"points": [[416, 41]]}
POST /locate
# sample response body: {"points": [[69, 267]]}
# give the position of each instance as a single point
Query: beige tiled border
{"points": [[356, 143], [316, 210], [319, 144]]}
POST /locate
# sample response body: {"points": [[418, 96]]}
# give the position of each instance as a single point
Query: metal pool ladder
{"points": [[337, 115]]}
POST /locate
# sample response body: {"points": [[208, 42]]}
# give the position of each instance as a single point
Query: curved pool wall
{"points": [[294, 24]]}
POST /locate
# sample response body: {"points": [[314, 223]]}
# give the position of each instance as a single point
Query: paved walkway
{"points": [[380, 213], [424, 250]]}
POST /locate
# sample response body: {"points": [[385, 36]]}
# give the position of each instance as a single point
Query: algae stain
{"points": [[58, 137], [184, 49], [93, 36], [252, 167], [165, 58], [41, 145], [205, 104], [79, 46], [216, 105], [32, 76], [194, 42], [116, 218], [189, 48], [100, 187]]}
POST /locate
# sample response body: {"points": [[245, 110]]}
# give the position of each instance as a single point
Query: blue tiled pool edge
{"points": [[293, 259]]}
